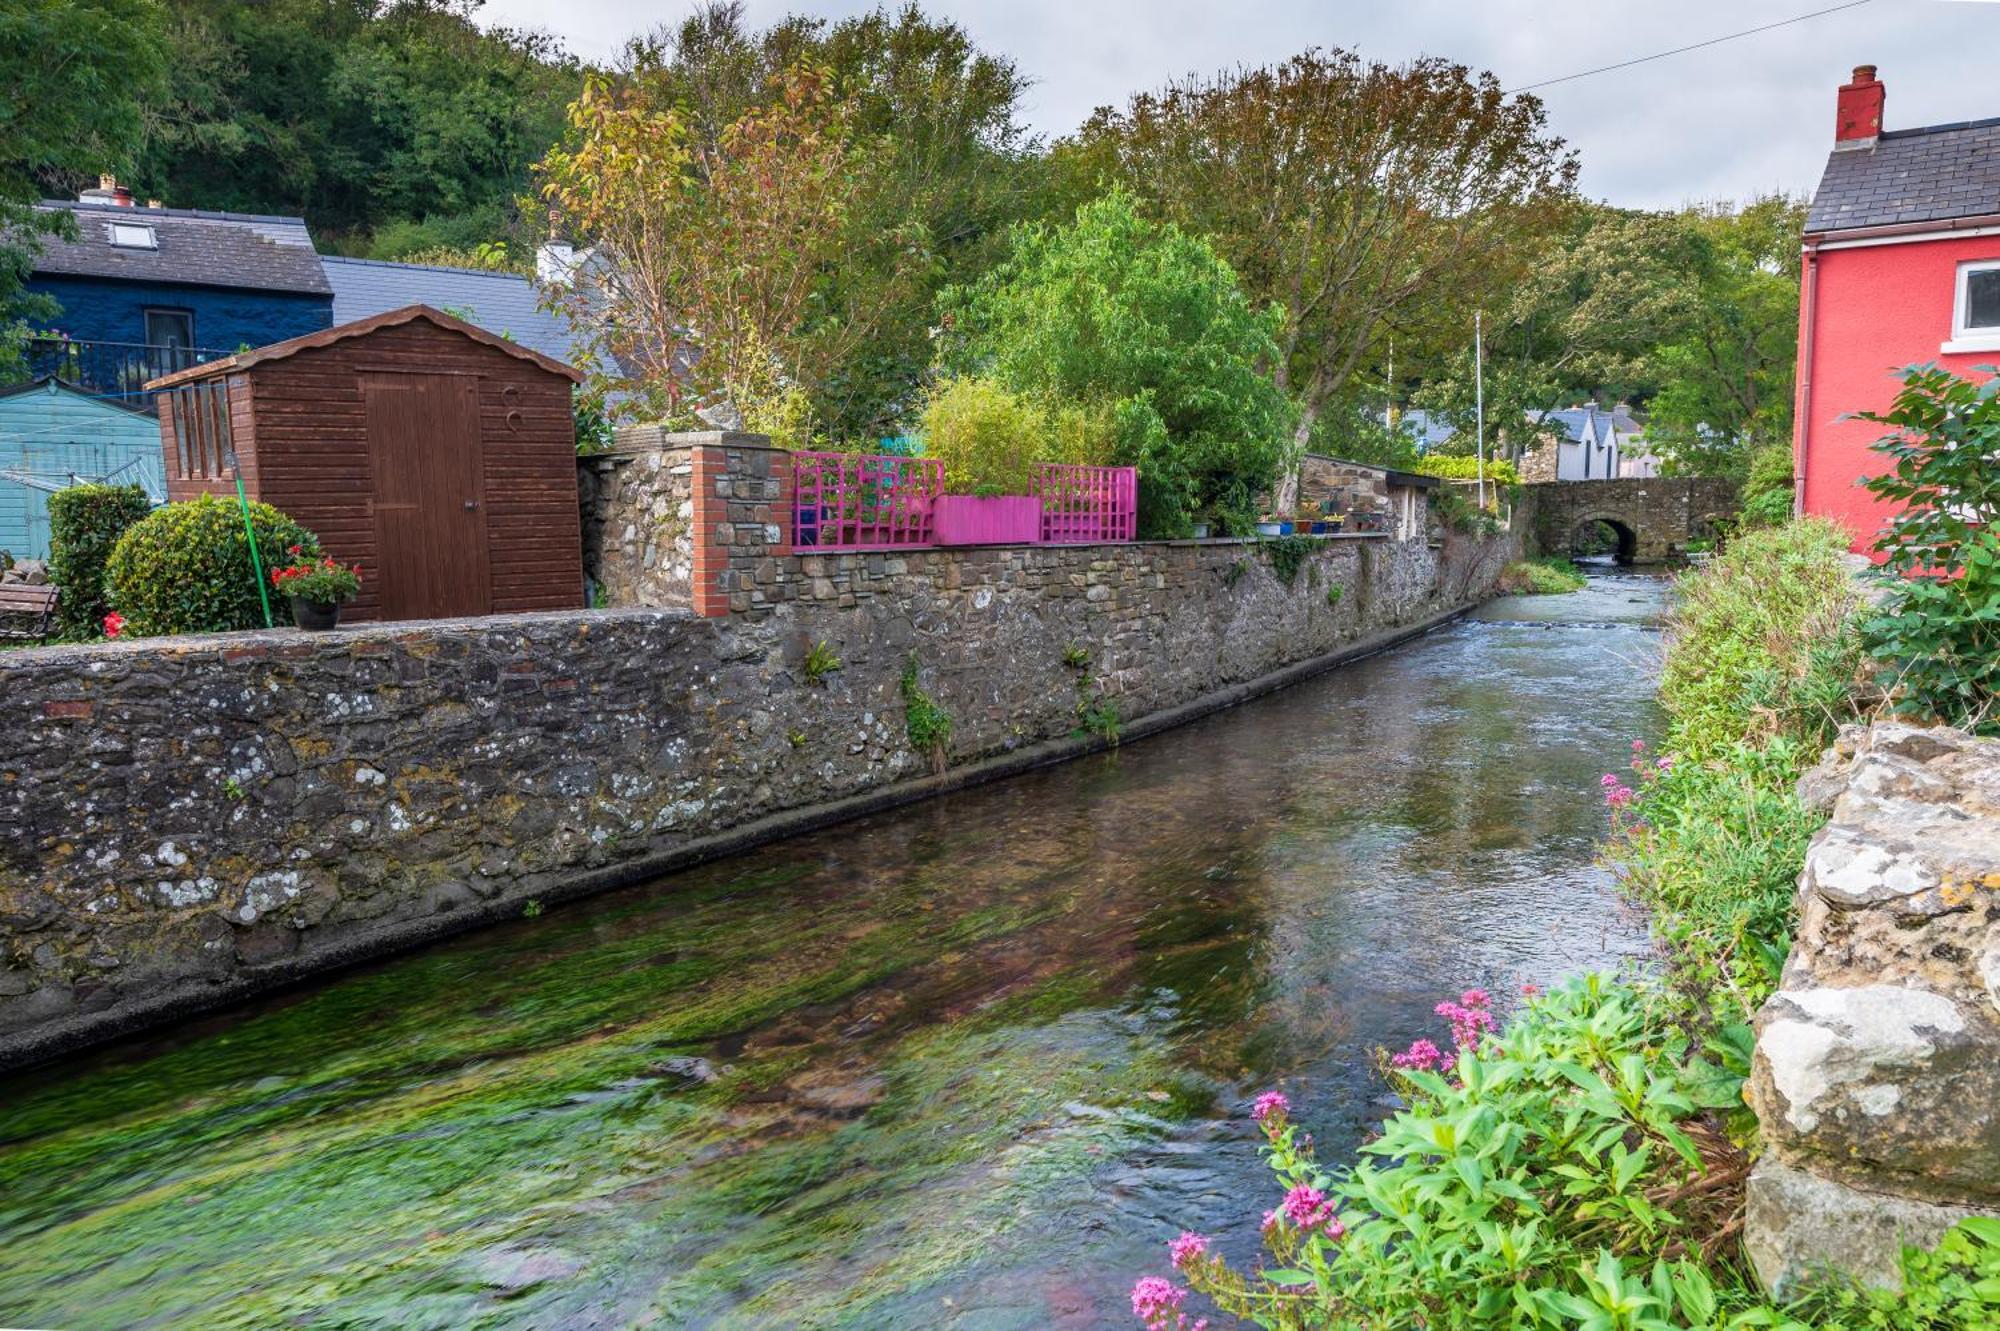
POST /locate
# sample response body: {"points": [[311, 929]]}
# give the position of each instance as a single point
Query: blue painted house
{"points": [[53, 436], [145, 291]]}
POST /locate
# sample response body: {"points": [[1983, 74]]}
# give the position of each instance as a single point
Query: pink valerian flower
{"points": [[1608, 780], [1157, 1302], [1476, 998], [1423, 1056], [1529, 989], [1619, 797], [1186, 1248], [1638, 746], [1270, 1103], [1664, 763], [1469, 1020], [1270, 1219], [1310, 1209]]}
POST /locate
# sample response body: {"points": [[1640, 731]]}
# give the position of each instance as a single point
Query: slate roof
{"points": [[1430, 430], [503, 303], [194, 248], [1579, 424], [1911, 175], [327, 337]]}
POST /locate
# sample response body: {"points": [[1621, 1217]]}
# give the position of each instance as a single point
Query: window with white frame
{"points": [[1976, 312]]}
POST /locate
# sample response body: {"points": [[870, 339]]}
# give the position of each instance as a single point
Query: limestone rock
{"points": [[1877, 1072], [1802, 1227]]}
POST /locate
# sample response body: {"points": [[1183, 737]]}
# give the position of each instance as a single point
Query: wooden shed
{"points": [[437, 456]]}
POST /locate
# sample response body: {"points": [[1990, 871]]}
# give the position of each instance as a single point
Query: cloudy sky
{"points": [[1722, 122]]}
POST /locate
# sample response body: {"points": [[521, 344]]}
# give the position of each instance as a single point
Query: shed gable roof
{"points": [[192, 248], [327, 337], [1938, 174]]}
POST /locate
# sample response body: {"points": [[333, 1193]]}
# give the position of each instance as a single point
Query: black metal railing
{"points": [[120, 369]]}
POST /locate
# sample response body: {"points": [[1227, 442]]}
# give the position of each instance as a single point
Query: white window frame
{"points": [[133, 236], [1963, 338]]}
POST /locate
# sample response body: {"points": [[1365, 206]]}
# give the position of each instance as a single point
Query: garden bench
{"points": [[26, 610]]}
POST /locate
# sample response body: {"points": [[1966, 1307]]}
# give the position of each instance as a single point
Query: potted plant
{"points": [[1268, 525], [316, 588]]}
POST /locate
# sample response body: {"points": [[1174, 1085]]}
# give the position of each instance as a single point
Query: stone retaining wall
{"points": [[1877, 1073], [186, 820]]}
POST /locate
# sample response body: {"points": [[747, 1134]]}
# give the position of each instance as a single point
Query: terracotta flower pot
{"points": [[314, 616]]}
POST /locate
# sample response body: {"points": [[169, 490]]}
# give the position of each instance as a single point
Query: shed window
{"points": [[203, 449], [133, 236]]}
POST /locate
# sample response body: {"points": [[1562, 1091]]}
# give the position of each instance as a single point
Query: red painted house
{"points": [[1902, 266]]}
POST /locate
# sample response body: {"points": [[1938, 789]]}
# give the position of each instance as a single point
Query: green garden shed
{"points": [[53, 436]]}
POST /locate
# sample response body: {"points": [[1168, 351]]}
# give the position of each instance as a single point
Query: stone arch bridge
{"points": [[1654, 517]]}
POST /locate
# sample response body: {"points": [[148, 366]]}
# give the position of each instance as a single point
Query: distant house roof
{"points": [[327, 337], [1911, 175], [1585, 424], [55, 384], [1431, 430], [504, 303], [187, 248]]}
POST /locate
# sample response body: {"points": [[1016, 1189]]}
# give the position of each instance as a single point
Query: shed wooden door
{"points": [[429, 495]]}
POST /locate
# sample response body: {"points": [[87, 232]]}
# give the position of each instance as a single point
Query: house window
{"points": [[1975, 324], [133, 236], [169, 328]]}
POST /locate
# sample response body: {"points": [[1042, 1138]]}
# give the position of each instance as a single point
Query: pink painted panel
{"points": [[988, 520], [863, 501]]}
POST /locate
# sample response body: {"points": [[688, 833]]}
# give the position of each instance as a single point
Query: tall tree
{"points": [[937, 114], [707, 283], [72, 77], [1370, 200]]}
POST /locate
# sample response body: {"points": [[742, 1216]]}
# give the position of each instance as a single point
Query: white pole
{"points": [[1479, 398]]}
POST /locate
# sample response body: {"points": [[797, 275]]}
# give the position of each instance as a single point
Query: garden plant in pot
{"points": [[316, 588]]}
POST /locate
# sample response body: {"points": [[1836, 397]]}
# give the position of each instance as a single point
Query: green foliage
{"points": [[927, 724], [77, 74], [1287, 555], [1333, 594], [820, 662], [1762, 643], [1146, 324], [1767, 492], [989, 437], [1536, 1184], [1076, 657], [357, 116], [1461, 514], [1938, 630], [185, 568], [1097, 715], [1955, 1287], [85, 522], [322, 580], [1499, 471], [1552, 576]]}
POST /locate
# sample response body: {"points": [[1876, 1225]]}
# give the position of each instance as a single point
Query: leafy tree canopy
{"points": [[1114, 309]]}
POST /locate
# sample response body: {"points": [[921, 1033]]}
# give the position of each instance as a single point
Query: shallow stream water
{"points": [[968, 1064]]}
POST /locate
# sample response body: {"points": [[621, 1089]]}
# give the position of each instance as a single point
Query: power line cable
{"points": [[1695, 46]]}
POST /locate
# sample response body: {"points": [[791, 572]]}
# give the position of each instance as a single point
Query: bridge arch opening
{"points": [[1599, 536]]}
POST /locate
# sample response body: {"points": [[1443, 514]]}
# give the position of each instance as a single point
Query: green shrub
{"points": [[1499, 471], [927, 724], [990, 437], [1763, 642], [1938, 636], [1767, 494], [85, 522], [185, 568]]}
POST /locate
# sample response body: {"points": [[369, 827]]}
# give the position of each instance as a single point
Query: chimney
{"points": [[1858, 122], [108, 191]]}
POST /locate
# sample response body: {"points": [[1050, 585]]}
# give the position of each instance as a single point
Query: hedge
{"points": [[186, 567], [85, 522]]}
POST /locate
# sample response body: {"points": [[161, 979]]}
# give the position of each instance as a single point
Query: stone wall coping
{"points": [[281, 641], [645, 438]]}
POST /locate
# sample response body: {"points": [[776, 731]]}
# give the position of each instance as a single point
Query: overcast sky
{"points": [[1723, 122]]}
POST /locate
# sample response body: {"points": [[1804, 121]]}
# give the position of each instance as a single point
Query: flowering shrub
{"points": [[1558, 1175], [321, 580], [114, 624]]}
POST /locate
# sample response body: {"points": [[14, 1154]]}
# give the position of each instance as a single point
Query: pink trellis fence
{"points": [[1087, 505], [865, 501]]}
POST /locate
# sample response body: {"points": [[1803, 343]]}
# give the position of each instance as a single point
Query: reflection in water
{"points": [[968, 1063]]}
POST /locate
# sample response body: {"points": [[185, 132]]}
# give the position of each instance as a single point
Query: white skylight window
{"points": [[133, 236]]}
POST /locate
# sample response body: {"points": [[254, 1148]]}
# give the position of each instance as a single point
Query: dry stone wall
{"points": [[183, 821], [1877, 1073]]}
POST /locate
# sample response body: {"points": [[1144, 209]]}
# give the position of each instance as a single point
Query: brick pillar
{"points": [[742, 519]]}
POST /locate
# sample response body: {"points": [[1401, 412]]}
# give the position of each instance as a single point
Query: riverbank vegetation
{"points": [[1540, 577], [1582, 1164]]}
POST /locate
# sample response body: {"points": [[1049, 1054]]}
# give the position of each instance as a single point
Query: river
{"points": [[969, 1063]]}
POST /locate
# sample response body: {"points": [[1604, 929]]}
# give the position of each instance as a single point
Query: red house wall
{"points": [[1877, 308]]}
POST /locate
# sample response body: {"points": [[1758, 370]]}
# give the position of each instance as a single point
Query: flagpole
{"points": [[1479, 397]]}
